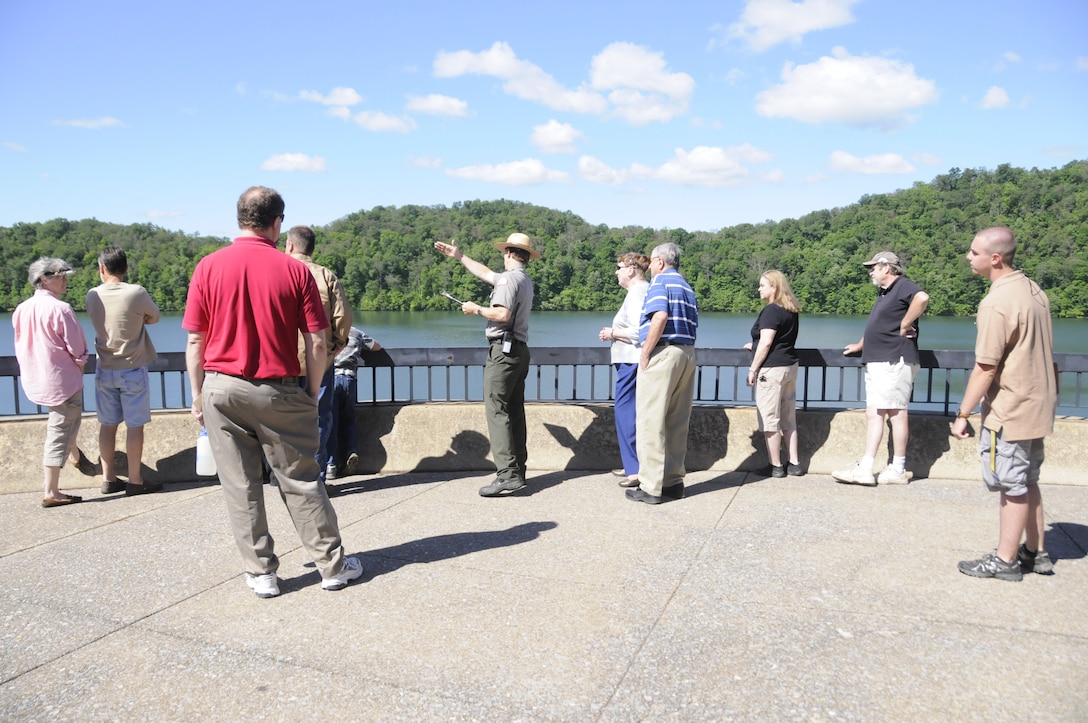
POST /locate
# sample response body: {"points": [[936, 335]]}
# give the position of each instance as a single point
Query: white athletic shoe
{"points": [[855, 476], [891, 476], [265, 586], [352, 570]]}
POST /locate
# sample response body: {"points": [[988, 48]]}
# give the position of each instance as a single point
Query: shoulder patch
{"points": [[503, 281]]}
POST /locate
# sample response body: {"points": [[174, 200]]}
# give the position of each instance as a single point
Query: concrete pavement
{"points": [[752, 598]]}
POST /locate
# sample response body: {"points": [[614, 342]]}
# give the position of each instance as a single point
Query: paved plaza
{"points": [[752, 599]]}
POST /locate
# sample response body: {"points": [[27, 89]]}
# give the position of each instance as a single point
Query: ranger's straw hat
{"points": [[519, 241]]}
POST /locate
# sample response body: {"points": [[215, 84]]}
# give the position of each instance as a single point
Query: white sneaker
{"points": [[330, 471], [351, 463], [855, 476], [265, 586], [890, 476], [352, 570]]}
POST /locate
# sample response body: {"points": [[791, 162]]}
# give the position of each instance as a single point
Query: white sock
{"points": [[899, 464], [866, 464]]}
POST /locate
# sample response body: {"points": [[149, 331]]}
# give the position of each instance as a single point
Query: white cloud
{"points": [[424, 161], [843, 162], [630, 81], [642, 89], [625, 65], [523, 79], [1082, 64], [294, 162], [766, 23], [1007, 58], [995, 97], [595, 170], [734, 76], [346, 97], [240, 88], [928, 159], [526, 172], [709, 166], [14, 147], [164, 214], [379, 122], [555, 137], [94, 124], [435, 104], [855, 91], [1064, 152]]}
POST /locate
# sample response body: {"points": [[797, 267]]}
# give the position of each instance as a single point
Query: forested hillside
{"points": [[385, 259]]}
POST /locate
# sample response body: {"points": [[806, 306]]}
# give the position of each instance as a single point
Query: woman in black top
{"points": [[773, 371]]}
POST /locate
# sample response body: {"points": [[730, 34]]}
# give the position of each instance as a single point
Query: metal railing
{"points": [[573, 374]]}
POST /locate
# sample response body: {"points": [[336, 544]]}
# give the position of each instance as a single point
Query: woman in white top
{"points": [[631, 271]]}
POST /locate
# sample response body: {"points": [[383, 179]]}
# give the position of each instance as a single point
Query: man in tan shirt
{"points": [[1016, 381], [300, 244], [123, 349]]}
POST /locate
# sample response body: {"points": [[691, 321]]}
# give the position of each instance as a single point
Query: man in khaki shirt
{"points": [[1016, 381], [120, 313], [300, 244]]}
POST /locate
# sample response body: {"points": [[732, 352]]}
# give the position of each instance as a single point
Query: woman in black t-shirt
{"points": [[773, 371]]}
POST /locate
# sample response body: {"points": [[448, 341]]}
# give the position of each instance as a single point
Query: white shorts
{"points": [[888, 385]]}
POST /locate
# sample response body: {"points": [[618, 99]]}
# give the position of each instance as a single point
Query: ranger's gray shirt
{"points": [[514, 291]]}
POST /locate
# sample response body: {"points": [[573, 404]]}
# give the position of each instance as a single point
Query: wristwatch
{"points": [[963, 415]]}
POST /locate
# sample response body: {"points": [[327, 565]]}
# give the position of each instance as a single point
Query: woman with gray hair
{"points": [[52, 351], [631, 274]]}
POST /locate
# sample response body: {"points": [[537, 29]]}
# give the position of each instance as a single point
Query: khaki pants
{"points": [[62, 429], [663, 396], [250, 420]]}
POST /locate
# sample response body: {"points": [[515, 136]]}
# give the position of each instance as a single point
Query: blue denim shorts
{"points": [[122, 395], [1009, 467]]}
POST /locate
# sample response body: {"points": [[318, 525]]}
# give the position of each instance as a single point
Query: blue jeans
{"points": [[324, 419], [625, 412], [342, 441]]}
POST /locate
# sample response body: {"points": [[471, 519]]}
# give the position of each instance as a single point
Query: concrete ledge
{"points": [[453, 437]]}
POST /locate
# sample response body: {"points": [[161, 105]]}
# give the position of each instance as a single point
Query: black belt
{"points": [[499, 341]]}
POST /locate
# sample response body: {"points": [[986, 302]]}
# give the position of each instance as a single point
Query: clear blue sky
{"points": [[685, 114]]}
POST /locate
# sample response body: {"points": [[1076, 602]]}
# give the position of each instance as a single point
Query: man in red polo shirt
{"points": [[246, 307]]}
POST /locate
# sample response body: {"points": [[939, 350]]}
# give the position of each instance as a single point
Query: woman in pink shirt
{"points": [[52, 351]]}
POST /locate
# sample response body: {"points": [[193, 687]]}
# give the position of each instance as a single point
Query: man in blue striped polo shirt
{"points": [[666, 379]]}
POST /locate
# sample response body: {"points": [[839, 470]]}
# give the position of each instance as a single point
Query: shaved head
{"points": [[998, 240]]}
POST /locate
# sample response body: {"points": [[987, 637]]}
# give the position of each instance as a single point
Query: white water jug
{"points": [[205, 462]]}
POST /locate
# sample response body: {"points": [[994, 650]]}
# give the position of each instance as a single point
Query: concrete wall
{"points": [[453, 436]]}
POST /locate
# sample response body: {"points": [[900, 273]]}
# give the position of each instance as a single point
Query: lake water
{"points": [[568, 329], [406, 329]]}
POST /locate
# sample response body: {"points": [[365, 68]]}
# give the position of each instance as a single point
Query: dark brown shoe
{"points": [[112, 486], [144, 489]]}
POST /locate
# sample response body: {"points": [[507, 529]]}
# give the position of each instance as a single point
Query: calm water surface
{"points": [[403, 329]]}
